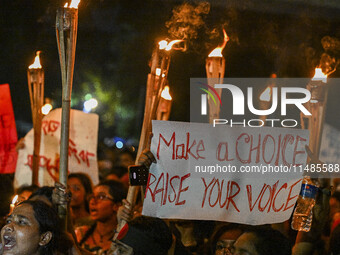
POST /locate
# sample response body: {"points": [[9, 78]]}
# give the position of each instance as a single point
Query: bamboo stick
{"points": [[156, 79], [66, 32], [35, 78]]}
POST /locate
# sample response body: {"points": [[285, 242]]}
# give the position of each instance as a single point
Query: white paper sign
{"points": [[201, 172], [82, 149]]}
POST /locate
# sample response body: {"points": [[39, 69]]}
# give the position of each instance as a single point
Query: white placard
{"points": [[82, 149], [181, 187]]}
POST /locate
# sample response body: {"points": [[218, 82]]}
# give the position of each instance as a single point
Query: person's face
{"points": [[101, 204], [20, 235], [224, 245], [78, 192], [245, 245]]}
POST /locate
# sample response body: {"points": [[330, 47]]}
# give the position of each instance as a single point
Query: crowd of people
{"points": [[94, 212]]}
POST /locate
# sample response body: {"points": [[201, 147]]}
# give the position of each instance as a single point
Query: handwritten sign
{"points": [[82, 149], [243, 175], [8, 132]]}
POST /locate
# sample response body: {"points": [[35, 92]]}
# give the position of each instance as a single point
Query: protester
{"points": [[143, 236], [24, 192], [104, 203], [262, 241], [34, 228], [80, 186], [224, 237]]}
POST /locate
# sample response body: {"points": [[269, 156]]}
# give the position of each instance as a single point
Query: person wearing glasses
{"points": [[103, 203]]}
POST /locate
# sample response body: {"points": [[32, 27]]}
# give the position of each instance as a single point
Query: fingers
{"points": [[125, 211], [60, 194], [146, 158]]}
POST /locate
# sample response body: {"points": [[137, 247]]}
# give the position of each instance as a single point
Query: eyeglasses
{"points": [[99, 197], [225, 247]]}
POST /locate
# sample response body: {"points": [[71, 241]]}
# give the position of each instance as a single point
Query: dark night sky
{"points": [[115, 41]]}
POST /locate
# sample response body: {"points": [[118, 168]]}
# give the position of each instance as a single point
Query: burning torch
{"points": [[317, 107], [215, 68], [164, 106], [35, 78], [66, 30]]}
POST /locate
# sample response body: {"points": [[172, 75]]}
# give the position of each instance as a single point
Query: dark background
{"points": [[116, 39]]}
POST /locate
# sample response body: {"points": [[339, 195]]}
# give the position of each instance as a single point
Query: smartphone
{"points": [[138, 175]]}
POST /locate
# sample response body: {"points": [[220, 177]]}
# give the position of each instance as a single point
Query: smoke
{"points": [[187, 20], [330, 58]]}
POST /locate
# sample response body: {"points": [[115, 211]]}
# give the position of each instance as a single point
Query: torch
{"points": [[66, 30], [215, 67], [164, 106], [35, 78], [317, 106], [157, 77]]}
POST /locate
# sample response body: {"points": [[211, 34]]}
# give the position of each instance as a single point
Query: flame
{"points": [[319, 75], [74, 4], [165, 93], [217, 52], [36, 64], [164, 45], [266, 94], [46, 108], [14, 200]]}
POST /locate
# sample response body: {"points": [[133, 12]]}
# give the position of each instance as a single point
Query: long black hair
{"points": [[48, 220], [87, 184]]}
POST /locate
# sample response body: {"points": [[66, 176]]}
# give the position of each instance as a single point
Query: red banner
{"points": [[8, 132]]}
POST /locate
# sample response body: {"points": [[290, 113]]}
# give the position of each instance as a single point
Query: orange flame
{"points": [[36, 64], [217, 52], [14, 200], [164, 45], [319, 75], [166, 94], [266, 94], [74, 4]]}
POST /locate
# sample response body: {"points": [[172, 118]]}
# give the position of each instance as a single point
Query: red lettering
{"points": [[284, 186], [182, 190], [289, 196]]}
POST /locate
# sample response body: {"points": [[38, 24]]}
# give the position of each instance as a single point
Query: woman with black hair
{"points": [[80, 186], [33, 228], [104, 203]]}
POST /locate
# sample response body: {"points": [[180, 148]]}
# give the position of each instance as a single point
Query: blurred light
{"points": [[90, 104], [88, 97], [46, 108], [14, 200], [119, 144], [319, 75], [166, 94]]}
